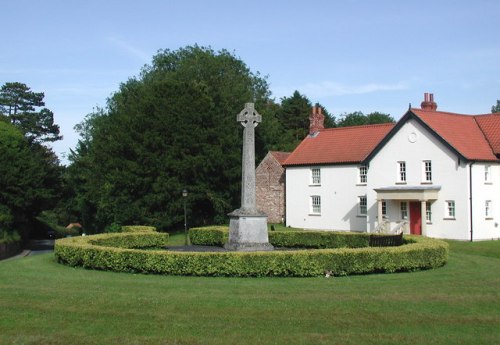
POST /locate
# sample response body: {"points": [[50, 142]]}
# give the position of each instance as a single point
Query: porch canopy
{"points": [[420, 193], [407, 193]]}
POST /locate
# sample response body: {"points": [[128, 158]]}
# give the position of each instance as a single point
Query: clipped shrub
{"points": [[114, 252], [209, 235], [138, 228], [319, 239], [218, 236], [130, 240], [113, 228]]}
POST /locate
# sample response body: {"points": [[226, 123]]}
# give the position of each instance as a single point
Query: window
{"points": [[487, 173], [404, 210], [315, 204], [487, 209], [384, 208], [362, 206], [427, 171], [402, 172], [315, 176], [363, 174], [450, 209], [428, 212]]}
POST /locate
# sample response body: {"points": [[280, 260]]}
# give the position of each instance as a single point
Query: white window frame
{"points": [[450, 209], [401, 172], [404, 210], [315, 176], [427, 171], [362, 205], [315, 204], [488, 212], [363, 174], [428, 212], [487, 174]]}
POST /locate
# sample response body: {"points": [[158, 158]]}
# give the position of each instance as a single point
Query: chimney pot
{"points": [[316, 120], [428, 104]]}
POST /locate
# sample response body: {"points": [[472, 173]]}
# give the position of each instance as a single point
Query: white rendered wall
{"points": [[413, 144], [339, 193], [485, 228]]}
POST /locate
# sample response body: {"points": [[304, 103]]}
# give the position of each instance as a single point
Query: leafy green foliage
{"points": [[496, 108], [293, 121], [171, 128], [19, 104], [357, 118], [218, 236], [138, 228], [49, 221], [30, 178], [9, 237], [209, 235], [95, 252]]}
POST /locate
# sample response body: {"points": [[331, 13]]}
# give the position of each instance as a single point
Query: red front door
{"points": [[415, 218]]}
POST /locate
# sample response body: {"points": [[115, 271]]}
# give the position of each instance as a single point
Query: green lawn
{"points": [[42, 302]]}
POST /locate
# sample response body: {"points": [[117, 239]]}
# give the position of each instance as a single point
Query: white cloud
{"points": [[132, 50], [329, 89]]}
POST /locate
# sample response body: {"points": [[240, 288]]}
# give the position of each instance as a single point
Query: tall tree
{"points": [[29, 177], [357, 118], [173, 127], [496, 107], [377, 117], [25, 110], [293, 117]]}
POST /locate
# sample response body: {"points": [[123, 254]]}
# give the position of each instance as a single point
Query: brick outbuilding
{"points": [[270, 186]]}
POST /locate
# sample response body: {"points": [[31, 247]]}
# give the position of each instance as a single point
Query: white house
{"points": [[432, 173]]}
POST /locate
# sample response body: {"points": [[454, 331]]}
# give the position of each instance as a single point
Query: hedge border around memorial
{"points": [[118, 252], [218, 236]]}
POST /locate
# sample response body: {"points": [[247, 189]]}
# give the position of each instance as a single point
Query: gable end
{"points": [[407, 117]]}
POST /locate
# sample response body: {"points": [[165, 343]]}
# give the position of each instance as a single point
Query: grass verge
{"points": [[42, 302]]}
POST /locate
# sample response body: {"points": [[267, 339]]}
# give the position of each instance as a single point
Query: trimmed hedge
{"points": [[101, 252], [218, 236], [209, 236], [138, 228]]}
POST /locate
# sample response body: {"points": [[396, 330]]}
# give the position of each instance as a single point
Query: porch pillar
{"points": [[423, 208], [380, 217]]}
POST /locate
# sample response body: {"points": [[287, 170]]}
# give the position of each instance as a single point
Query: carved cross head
{"points": [[249, 115]]}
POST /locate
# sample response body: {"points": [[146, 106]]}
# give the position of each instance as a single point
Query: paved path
{"points": [[35, 247]]}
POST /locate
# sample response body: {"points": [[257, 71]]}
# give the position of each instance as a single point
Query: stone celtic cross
{"points": [[247, 225], [249, 118]]}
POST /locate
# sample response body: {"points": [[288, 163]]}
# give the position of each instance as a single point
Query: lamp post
{"points": [[184, 197]]}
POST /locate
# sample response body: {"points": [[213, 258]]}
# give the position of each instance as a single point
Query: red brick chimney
{"points": [[316, 120], [428, 104]]}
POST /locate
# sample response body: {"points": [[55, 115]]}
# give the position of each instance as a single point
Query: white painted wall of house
{"points": [[485, 228], [339, 191], [447, 172]]}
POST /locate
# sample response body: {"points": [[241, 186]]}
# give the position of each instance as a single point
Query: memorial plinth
{"points": [[247, 225]]}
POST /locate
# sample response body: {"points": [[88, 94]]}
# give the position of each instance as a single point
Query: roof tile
{"points": [[280, 156], [462, 132], [339, 145], [490, 125]]}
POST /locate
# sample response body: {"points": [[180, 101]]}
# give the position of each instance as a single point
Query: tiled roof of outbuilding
{"points": [[280, 156]]}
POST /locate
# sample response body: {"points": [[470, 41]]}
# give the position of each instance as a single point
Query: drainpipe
{"points": [[470, 201]]}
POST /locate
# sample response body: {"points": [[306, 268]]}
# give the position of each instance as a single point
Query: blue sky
{"points": [[348, 55]]}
